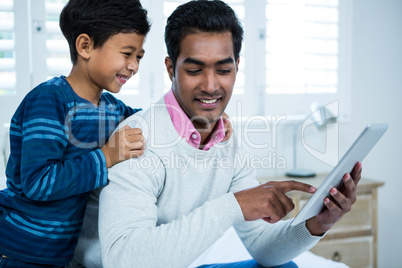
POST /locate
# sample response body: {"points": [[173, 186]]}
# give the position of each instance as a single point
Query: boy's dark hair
{"points": [[100, 20], [201, 16]]}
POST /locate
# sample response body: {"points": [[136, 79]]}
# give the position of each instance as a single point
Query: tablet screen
{"points": [[356, 153]]}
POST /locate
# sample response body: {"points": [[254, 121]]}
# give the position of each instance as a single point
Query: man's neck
{"points": [[205, 132], [208, 134]]}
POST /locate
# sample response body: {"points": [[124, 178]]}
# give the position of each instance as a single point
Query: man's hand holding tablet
{"points": [[337, 193], [337, 206]]}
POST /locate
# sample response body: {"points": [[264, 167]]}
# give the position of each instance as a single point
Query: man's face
{"points": [[205, 74]]}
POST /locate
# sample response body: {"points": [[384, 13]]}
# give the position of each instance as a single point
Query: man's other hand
{"points": [[338, 205]]}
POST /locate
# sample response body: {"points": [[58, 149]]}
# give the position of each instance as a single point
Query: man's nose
{"points": [[211, 82]]}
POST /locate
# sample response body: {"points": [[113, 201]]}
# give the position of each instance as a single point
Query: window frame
{"points": [[258, 102], [31, 66], [298, 106], [23, 53]]}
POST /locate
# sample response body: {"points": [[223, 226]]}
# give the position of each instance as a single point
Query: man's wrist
{"points": [[315, 228]]}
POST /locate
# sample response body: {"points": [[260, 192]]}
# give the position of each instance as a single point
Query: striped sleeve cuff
{"points": [[101, 170]]}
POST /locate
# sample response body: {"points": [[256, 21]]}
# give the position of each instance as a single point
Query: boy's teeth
{"points": [[209, 101], [123, 77]]}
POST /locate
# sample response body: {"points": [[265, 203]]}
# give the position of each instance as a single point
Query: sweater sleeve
{"points": [[46, 173], [270, 244], [129, 233]]}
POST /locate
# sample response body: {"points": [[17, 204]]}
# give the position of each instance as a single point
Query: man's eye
{"points": [[225, 71], [193, 72], [127, 54]]}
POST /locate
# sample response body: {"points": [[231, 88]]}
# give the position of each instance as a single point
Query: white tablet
{"points": [[356, 153]]}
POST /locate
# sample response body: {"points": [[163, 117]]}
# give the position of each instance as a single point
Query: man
{"points": [[167, 207]]}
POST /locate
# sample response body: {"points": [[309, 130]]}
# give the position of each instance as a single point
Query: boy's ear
{"points": [[84, 45], [169, 67]]}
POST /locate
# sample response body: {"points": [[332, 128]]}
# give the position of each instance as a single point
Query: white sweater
{"points": [[167, 207]]}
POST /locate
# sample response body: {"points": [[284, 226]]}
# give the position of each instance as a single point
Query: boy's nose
{"points": [[133, 67]]}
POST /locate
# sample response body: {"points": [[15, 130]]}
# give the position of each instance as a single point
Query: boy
{"points": [[59, 131]]}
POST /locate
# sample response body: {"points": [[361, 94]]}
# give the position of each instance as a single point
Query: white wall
{"points": [[376, 97]]}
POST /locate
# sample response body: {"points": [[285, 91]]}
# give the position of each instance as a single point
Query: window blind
{"points": [[301, 46], [7, 52], [58, 56], [295, 52]]}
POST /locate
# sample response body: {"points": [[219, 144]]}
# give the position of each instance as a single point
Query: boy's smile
{"points": [[204, 76], [123, 78]]}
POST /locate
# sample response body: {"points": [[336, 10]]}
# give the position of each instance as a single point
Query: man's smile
{"points": [[209, 103]]}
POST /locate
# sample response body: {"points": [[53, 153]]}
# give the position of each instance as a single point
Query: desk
{"points": [[352, 240]]}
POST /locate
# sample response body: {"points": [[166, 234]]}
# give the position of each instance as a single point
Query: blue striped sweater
{"points": [[54, 163]]}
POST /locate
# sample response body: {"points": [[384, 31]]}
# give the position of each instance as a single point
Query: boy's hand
{"points": [[124, 144], [228, 127]]}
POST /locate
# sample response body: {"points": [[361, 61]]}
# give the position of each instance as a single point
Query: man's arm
{"points": [[270, 242], [128, 214]]}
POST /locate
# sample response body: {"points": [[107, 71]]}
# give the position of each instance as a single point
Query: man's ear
{"points": [[169, 67], [237, 64], [84, 45]]}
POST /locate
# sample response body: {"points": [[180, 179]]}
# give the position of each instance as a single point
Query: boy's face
{"points": [[111, 65], [205, 74]]}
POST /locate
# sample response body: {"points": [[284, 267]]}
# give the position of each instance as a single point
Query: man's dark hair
{"points": [[100, 20], [201, 16]]}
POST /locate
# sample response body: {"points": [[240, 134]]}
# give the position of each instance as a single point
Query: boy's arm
{"points": [[126, 111], [45, 172], [44, 177], [129, 231]]}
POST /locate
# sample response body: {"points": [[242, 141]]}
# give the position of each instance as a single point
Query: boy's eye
{"points": [[128, 54]]}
